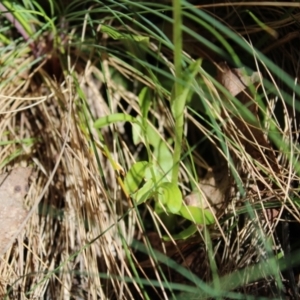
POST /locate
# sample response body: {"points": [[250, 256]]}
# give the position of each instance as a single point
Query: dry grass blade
{"points": [[75, 207]]}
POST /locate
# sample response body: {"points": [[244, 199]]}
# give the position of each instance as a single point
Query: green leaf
{"points": [[117, 35], [197, 215], [170, 195], [137, 131], [22, 15], [144, 193], [184, 234], [113, 33], [114, 118], [178, 102], [161, 152], [156, 173], [145, 101], [164, 157], [153, 136], [135, 176]]}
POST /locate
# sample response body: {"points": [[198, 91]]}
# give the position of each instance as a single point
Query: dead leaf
{"points": [[235, 80], [13, 188], [213, 187]]}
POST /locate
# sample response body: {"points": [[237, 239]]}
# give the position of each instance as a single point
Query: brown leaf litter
{"points": [[212, 190], [13, 188]]}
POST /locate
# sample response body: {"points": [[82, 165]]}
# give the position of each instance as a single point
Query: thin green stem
{"points": [[178, 114]]}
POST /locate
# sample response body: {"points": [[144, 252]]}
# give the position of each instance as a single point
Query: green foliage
{"points": [[170, 197], [146, 180], [113, 118], [135, 176], [142, 188], [178, 104], [117, 35], [197, 215]]}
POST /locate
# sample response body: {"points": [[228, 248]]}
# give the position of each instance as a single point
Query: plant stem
{"points": [[178, 114]]}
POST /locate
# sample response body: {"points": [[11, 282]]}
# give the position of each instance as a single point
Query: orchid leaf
{"points": [[197, 215], [170, 195], [135, 176]]}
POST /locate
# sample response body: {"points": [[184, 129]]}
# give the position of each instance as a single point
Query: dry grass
{"points": [[77, 241], [74, 230]]}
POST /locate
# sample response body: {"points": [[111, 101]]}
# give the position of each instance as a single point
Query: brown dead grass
{"points": [[75, 229]]}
